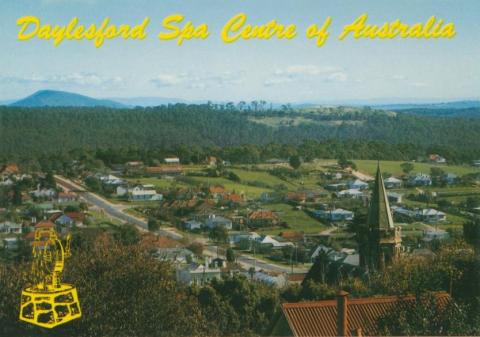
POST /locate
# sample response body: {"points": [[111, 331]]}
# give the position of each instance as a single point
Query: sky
{"points": [[282, 71]]}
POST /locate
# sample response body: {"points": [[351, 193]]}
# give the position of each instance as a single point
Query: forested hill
{"points": [[31, 132]]}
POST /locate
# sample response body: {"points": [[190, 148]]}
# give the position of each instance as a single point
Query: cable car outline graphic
{"points": [[49, 302]]}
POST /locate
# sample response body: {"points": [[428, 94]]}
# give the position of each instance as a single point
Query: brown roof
{"points": [[297, 277], [263, 215], [319, 318], [77, 216], [233, 197], [44, 224], [297, 196], [55, 216], [11, 168], [292, 235], [216, 189]]}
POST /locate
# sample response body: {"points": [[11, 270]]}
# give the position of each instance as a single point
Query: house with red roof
{"points": [[263, 218], [343, 316]]}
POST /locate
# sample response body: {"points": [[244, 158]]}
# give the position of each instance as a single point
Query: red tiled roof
{"points": [[263, 215], [319, 318]]}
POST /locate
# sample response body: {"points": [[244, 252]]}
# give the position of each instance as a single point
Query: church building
{"points": [[380, 240]]}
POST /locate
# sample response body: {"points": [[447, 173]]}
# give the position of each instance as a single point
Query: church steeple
{"points": [[379, 240], [379, 214]]}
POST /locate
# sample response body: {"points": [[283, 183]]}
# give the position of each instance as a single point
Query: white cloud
{"points": [[198, 81], [167, 80], [74, 79], [306, 73]]}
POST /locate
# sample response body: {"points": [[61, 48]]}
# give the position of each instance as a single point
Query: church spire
{"points": [[379, 215]]}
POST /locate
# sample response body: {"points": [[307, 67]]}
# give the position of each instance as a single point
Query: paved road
{"points": [[247, 262], [117, 211]]}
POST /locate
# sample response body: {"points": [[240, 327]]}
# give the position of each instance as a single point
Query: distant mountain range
{"points": [[56, 98], [150, 101], [432, 106]]}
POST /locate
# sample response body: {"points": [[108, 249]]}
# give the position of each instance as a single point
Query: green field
{"points": [[393, 167], [231, 186], [159, 183], [263, 177], [298, 221]]}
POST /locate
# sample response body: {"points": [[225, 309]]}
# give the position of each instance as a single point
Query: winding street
{"points": [[117, 211]]}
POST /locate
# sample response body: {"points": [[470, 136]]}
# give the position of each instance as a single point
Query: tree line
{"points": [[37, 132]]}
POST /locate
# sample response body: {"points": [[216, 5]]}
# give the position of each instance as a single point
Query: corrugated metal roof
{"points": [[319, 318]]}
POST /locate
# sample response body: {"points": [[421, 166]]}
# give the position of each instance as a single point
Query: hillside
{"points": [[52, 98], [26, 132]]}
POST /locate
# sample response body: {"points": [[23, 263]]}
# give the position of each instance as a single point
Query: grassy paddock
{"points": [[393, 167]]}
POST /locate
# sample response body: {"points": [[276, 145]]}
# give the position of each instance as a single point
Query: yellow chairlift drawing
{"points": [[49, 302]]}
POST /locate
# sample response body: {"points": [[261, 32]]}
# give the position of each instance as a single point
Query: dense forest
{"points": [[36, 132]]}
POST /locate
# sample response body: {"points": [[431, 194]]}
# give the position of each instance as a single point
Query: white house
{"points": [[197, 274], [140, 194], [358, 185], [10, 227], [350, 193], [47, 193], [268, 240], [236, 237], [111, 180], [420, 179], [431, 215], [172, 160], [215, 221], [338, 214], [392, 182]]}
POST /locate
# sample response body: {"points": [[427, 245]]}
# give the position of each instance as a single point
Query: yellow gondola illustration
{"points": [[49, 302]]}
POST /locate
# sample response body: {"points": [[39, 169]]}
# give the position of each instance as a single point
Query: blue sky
{"points": [[274, 70]]}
